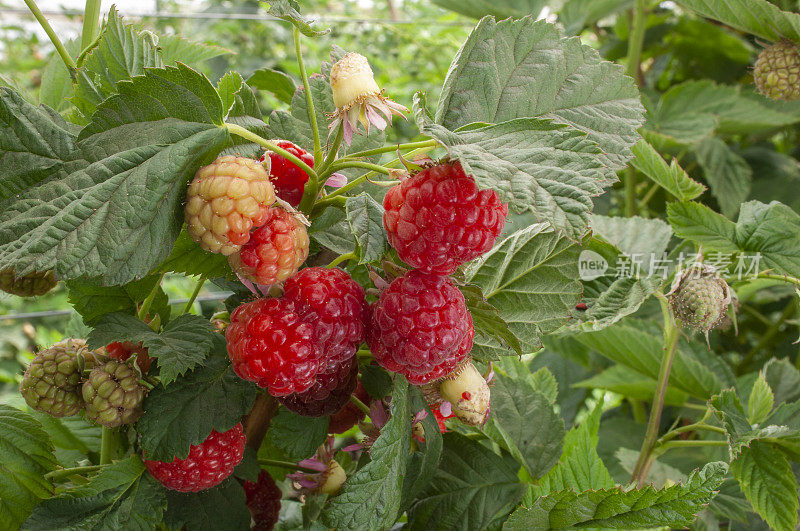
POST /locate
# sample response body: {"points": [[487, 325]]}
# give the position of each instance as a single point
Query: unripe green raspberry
{"points": [[51, 383], [29, 285], [226, 199], [700, 299], [777, 71], [113, 394]]}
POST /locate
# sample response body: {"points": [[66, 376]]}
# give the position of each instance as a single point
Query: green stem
{"points": [[784, 278], [342, 164], [649, 195], [312, 113], [334, 149], [238, 130], [389, 149], [65, 56], [108, 446], [286, 464], [194, 295], [148, 302], [359, 404], [91, 23], [636, 40], [671, 335], [66, 472], [687, 444], [340, 259]]}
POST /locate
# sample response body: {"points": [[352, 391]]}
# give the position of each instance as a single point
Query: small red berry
{"points": [[350, 414], [124, 350], [270, 344], [264, 501], [580, 306], [420, 327], [439, 218], [207, 465], [287, 178], [276, 250], [335, 303], [330, 392]]}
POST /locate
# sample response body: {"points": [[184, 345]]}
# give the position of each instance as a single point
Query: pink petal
{"points": [[378, 414], [376, 119], [313, 464], [336, 180], [421, 415], [308, 483], [348, 131], [352, 448], [249, 285], [446, 408]]}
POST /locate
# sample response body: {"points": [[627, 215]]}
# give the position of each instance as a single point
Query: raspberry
{"points": [[207, 464], [264, 501], [420, 327], [287, 178], [123, 351], [439, 219], [52, 382], [225, 200], [330, 392], [350, 414], [700, 299], [777, 71], [275, 251], [270, 344], [112, 395], [335, 303], [30, 285]]}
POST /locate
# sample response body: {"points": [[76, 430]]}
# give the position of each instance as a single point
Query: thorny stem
{"points": [[339, 259], [257, 421], [671, 335], [238, 130], [784, 278], [108, 445], [286, 464], [148, 302], [312, 113], [91, 23], [194, 295], [65, 56], [66, 472]]}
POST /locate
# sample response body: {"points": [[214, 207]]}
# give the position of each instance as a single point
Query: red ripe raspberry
{"points": [[270, 344], [264, 501], [420, 327], [276, 250], [350, 414], [335, 303], [439, 219], [288, 179], [207, 464], [124, 350], [330, 392]]}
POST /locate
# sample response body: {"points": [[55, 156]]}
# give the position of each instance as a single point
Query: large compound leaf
{"points": [[116, 209], [26, 455], [34, 143], [758, 17], [526, 68], [530, 278], [471, 486], [209, 398], [371, 497], [121, 496], [674, 506]]}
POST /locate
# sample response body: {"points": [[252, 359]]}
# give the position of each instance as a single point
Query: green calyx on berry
{"points": [[700, 298], [468, 392], [113, 395], [30, 285], [52, 382], [777, 71]]}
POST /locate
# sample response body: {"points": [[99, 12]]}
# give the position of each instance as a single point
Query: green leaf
{"points": [[121, 496], [726, 172], [92, 300], [118, 211], [35, 143], [56, 85], [490, 81], [371, 496], [221, 508], [174, 48], [487, 321], [365, 217], [543, 381], [71, 433], [659, 473], [26, 455], [181, 346], [515, 408], [499, 8], [209, 398], [629, 383], [758, 17], [279, 84], [671, 178], [424, 461], [765, 475], [471, 486], [674, 506], [288, 10], [332, 231], [530, 278], [634, 236], [296, 435], [784, 380], [700, 224], [761, 400], [577, 14], [535, 165], [187, 257]]}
